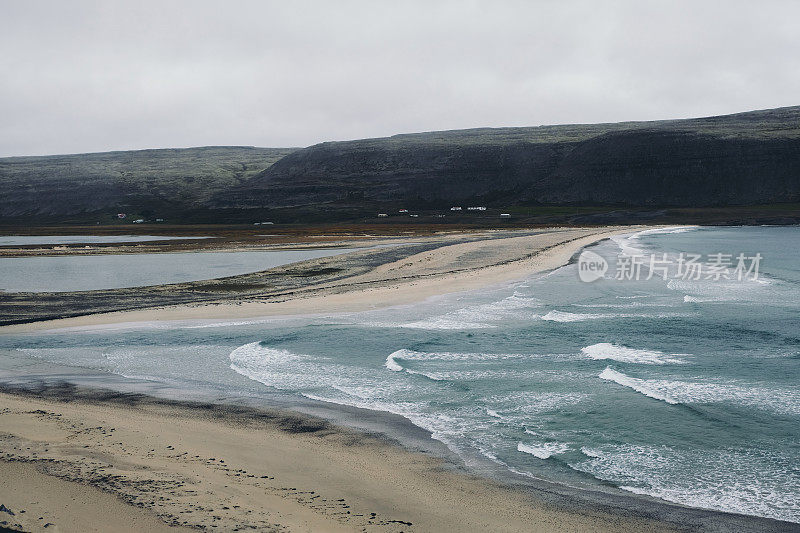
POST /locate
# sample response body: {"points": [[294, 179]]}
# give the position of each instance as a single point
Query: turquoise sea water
{"points": [[685, 390]]}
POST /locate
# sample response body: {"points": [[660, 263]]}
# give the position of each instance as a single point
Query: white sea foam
{"points": [[275, 367], [394, 363], [444, 322], [543, 450], [777, 400], [639, 385], [629, 305], [494, 414], [565, 316], [754, 482], [660, 231], [626, 246], [480, 316], [228, 324], [410, 355], [722, 290], [701, 299], [605, 350], [589, 452], [626, 242], [391, 364]]}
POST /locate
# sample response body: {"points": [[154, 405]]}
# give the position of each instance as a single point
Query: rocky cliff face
{"points": [[140, 181], [738, 159], [743, 159]]}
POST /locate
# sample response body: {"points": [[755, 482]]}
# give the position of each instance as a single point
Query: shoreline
{"points": [[408, 279], [311, 459], [550, 505]]}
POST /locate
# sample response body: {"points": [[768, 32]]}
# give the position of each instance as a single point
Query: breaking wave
{"points": [[777, 400], [543, 450], [721, 479], [664, 231], [565, 316], [606, 350], [481, 316], [639, 385]]}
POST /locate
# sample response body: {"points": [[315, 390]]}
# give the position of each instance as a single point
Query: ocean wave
{"points": [[392, 364], [275, 367], [411, 355], [495, 414], [629, 305], [442, 322], [626, 246], [605, 350], [777, 400], [543, 450], [228, 324], [722, 290], [757, 482], [626, 241], [523, 407], [481, 316], [589, 452], [565, 316], [639, 385], [664, 231], [704, 299]]}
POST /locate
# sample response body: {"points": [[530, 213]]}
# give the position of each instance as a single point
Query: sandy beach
{"points": [[228, 471], [159, 465], [450, 265]]}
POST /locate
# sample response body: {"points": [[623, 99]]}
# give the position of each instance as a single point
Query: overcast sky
{"points": [[96, 76]]}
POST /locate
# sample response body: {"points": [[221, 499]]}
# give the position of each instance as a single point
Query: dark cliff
{"points": [[157, 182], [746, 159], [740, 159]]}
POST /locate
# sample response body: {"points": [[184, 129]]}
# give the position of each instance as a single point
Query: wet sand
{"points": [[228, 468], [226, 471]]}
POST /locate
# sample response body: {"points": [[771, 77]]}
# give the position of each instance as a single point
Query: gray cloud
{"points": [[94, 76]]}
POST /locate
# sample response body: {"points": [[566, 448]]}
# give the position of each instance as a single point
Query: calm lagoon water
{"points": [[90, 272], [21, 240], [685, 390]]}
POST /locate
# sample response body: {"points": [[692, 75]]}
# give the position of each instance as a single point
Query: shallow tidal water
{"points": [[21, 240], [681, 389], [115, 271]]}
